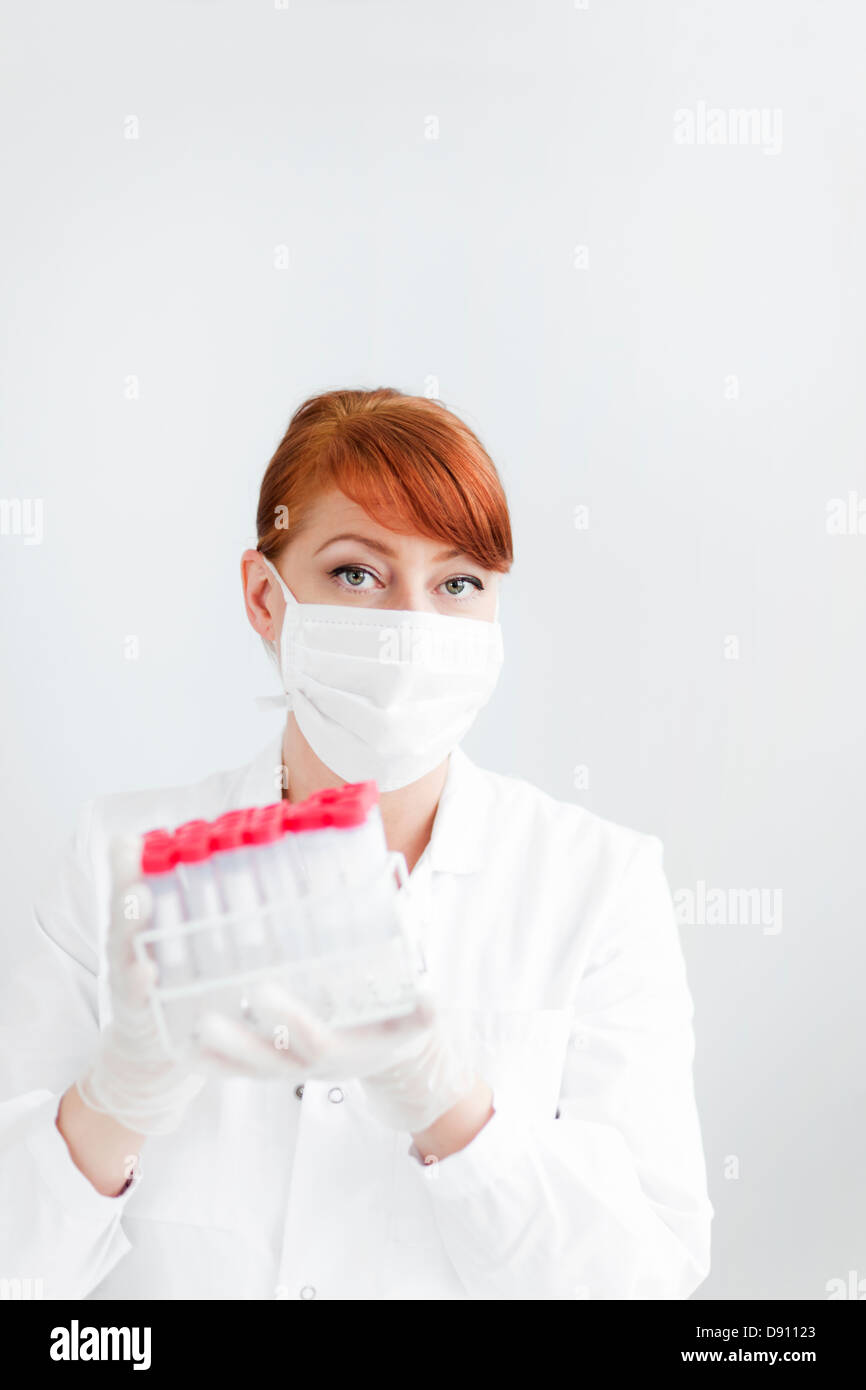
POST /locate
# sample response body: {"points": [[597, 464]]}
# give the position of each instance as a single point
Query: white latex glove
{"points": [[132, 1078], [408, 1068]]}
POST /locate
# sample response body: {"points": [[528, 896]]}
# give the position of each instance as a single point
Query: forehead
{"points": [[333, 514], [333, 508]]}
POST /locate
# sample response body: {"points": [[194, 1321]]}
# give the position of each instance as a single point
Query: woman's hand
{"points": [[132, 1078], [409, 1071]]}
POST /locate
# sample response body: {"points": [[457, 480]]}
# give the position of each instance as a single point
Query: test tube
{"points": [[365, 865], [238, 890], [308, 824], [210, 946], [314, 841], [277, 880], [291, 847], [174, 962], [362, 843]]}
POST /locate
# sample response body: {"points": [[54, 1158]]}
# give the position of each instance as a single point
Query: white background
{"points": [[694, 377]]}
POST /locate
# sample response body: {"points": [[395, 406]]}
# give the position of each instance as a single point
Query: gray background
{"points": [[693, 377]]}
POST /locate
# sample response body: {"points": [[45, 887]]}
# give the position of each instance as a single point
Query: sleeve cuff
{"points": [[52, 1158], [481, 1163]]}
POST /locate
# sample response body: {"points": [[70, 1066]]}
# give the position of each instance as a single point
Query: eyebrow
{"points": [[382, 548]]}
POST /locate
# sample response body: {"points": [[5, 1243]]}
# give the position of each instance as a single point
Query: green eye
{"points": [[461, 580], [352, 576]]}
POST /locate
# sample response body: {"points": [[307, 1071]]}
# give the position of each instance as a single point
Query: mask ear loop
{"points": [[266, 702], [284, 589], [283, 701]]}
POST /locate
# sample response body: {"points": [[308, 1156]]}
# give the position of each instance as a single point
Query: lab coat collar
{"points": [[260, 781], [463, 818], [457, 842]]}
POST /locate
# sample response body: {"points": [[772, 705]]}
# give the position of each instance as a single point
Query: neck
{"points": [[407, 813]]}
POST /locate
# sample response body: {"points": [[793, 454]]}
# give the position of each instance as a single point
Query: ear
{"points": [[262, 598]]}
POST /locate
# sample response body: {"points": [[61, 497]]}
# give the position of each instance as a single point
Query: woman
{"points": [[531, 1131]]}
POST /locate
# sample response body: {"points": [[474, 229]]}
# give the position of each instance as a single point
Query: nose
{"points": [[410, 597]]}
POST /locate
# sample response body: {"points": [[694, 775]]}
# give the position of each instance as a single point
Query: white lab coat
{"points": [[550, 936]]}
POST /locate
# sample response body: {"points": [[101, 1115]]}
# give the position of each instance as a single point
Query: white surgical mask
{"points": [[384, 693]]}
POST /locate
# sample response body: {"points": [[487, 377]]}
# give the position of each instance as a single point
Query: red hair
{"points": [[410, 463]]}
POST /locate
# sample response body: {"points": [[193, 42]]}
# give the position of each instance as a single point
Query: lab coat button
{"points": [[307, 1291], [299, 1090], [335, 1095]]}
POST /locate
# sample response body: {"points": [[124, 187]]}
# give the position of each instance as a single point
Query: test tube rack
{"points": [[306, 893]]}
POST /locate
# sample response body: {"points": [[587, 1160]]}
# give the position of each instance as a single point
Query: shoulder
{"points": [[606, 877], [552, 826], [151, 808], [72, 900]]}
